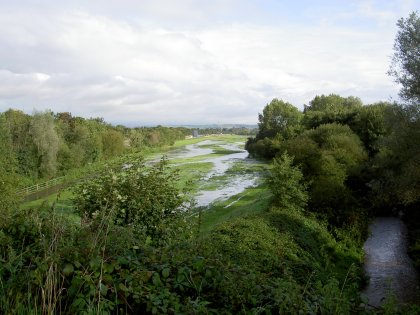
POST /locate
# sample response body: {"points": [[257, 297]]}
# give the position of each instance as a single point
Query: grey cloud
{"points": [[122, 61]]}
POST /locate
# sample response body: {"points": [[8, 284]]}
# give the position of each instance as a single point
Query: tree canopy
{"points": [[405, 66], [279, 118]]}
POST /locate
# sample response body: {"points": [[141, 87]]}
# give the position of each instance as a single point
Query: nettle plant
{"points": [[145, 198]]}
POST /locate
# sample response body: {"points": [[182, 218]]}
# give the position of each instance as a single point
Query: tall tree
{"points": [[405, 66], [287, 183], [7, 168], [403, 158], [279, 118], [18, 124], [46, 140], [113, 143]]}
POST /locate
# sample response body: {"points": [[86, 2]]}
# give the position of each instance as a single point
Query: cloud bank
{"points": [[183, 62]]}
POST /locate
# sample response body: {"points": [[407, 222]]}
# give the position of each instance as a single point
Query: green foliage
{"points": [[370, 125], [47, 144], [328, 155], [143, 197], [112, 143], [279, 119], [405, 66], [397, 180], [286, 184], [23, 146], [46, 141], [330, 109], [8, 182]]}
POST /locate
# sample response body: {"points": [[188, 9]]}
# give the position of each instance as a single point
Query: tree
{"points": [[46, 140], [398, 182], [18, 124], [279, 121], [369, 124], [328, 156], [7, 169], [112, 143], [399, 160], [405, 66], [333, 108], [279, 118], [286, 183]]}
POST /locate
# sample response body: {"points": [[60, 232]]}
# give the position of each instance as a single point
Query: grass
{"points": [[191, 172], [224, 138], [62, 203], [251, 201]]}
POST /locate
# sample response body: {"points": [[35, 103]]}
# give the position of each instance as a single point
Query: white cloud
{"points": [[135, 70]]}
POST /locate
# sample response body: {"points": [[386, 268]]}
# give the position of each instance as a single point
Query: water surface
{"points": [[235, 184], [387, 263]]}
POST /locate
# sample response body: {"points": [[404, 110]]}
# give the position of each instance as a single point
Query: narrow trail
{"points": [[387, 264]]}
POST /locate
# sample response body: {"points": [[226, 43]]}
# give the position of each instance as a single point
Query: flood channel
{"points": [[235, 184], [390, 269]]}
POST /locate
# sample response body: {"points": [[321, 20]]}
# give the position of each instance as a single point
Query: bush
{"points": [[144, 198]]}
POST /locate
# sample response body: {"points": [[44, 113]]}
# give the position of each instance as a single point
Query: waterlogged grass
{"points": [[192, 174], [194, 159], [224, 138], [217, 152], [251, 201], [223, 151], [241, 168]]}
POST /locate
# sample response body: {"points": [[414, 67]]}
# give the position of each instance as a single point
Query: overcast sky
{"points": [[145, 62]]}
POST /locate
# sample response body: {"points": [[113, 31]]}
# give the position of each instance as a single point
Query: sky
{"points": [[169, 62]]}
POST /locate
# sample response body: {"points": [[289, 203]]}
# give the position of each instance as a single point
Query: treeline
{"points": [[47, 144], [354, 156], [342, 148], [244, 131]]}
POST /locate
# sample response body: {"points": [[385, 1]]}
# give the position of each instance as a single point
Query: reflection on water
{"points": [[387, 263]]}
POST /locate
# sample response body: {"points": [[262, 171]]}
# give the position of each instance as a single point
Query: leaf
{"points": [[122, 287], [68, 269]]}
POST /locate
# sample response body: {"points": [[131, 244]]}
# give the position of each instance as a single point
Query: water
{"points": [[192, 150], [235, 184], [387, 263]]}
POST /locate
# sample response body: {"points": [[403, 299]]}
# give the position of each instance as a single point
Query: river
{"points": [[387, 263], [236, 182]]}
